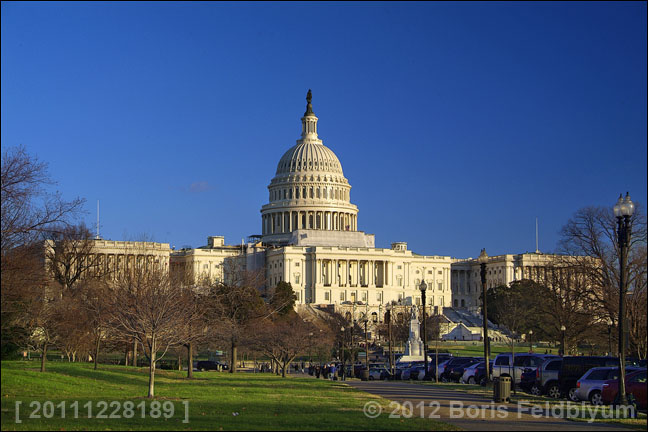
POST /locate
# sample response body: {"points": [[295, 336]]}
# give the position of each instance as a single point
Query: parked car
{"points": [[377, 373], [469, 376], [547, 378], [455, 372], [407, 373], [208, 365], [505, 365], [528, 379], [358, 368], [635, 384], [481, 374], [590, 385], [445, 373], [400, 368], [442, 356], [573, 368], [417, 373], [386, 374], [440, 368]]}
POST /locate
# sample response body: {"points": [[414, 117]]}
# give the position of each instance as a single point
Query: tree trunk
{"points": [[513, 363], [190, 360], [44, 358], [126, 355], [135, 352], [96, 356], [151, 392], [283, 370], [179, 362], [233, 356]]}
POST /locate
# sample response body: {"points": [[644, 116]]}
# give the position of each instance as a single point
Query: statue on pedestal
{"points": [[414, 345]]}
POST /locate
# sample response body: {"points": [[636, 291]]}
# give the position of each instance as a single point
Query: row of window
{"points": [[312, 192]]}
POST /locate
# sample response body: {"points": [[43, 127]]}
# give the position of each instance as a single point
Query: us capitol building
{"points": [[311, 238]]}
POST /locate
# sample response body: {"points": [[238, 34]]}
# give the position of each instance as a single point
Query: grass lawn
{"points": [[217, 401], [476, 349]]}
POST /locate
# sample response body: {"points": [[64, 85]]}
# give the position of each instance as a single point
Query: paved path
{"points": [[447, 404]]}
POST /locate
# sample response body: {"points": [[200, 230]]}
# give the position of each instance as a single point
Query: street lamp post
{"points": [[483, 259], [530, 343], [423, 288], [609, 324], [623, 211], [437, 335], [563, 344], [352, 347], [388, 318], [365, 373], [343, 355]]}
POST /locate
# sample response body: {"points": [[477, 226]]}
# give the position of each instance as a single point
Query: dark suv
{"points": [[573, 368]]}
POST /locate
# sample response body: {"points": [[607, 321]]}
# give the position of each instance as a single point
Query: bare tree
{"points": [[192, 325], [95, 303], [590, 239], [148, 307], [70, 255], [233, 304], [28, 210], [40, 320], [514, 308], [637, 313], [284, 339]]}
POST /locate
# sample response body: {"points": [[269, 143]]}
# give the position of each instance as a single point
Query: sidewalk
{"points": [[469, 412]]}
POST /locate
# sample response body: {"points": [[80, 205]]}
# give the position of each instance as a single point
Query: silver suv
{"points": [[590, 385], [547, 378], [503, 364]]}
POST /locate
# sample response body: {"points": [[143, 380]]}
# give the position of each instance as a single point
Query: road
{"points": [[455, 407]]}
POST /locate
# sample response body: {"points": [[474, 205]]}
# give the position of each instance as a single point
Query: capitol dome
{"points": [[309, 156], [309, 190]]}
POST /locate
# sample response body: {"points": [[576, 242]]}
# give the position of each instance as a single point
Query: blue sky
{"points": [[457, 124]]}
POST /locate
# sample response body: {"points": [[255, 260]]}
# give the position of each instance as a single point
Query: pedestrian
{"points": [[332, 371]]}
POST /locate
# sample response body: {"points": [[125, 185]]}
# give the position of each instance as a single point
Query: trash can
{"points": [[365, 375], [502, 389]]}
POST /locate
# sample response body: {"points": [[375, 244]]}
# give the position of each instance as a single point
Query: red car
{"points": [[635, 383]]}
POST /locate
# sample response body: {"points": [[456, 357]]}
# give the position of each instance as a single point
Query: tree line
{"points": [[56, 294], [579, 290]]}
